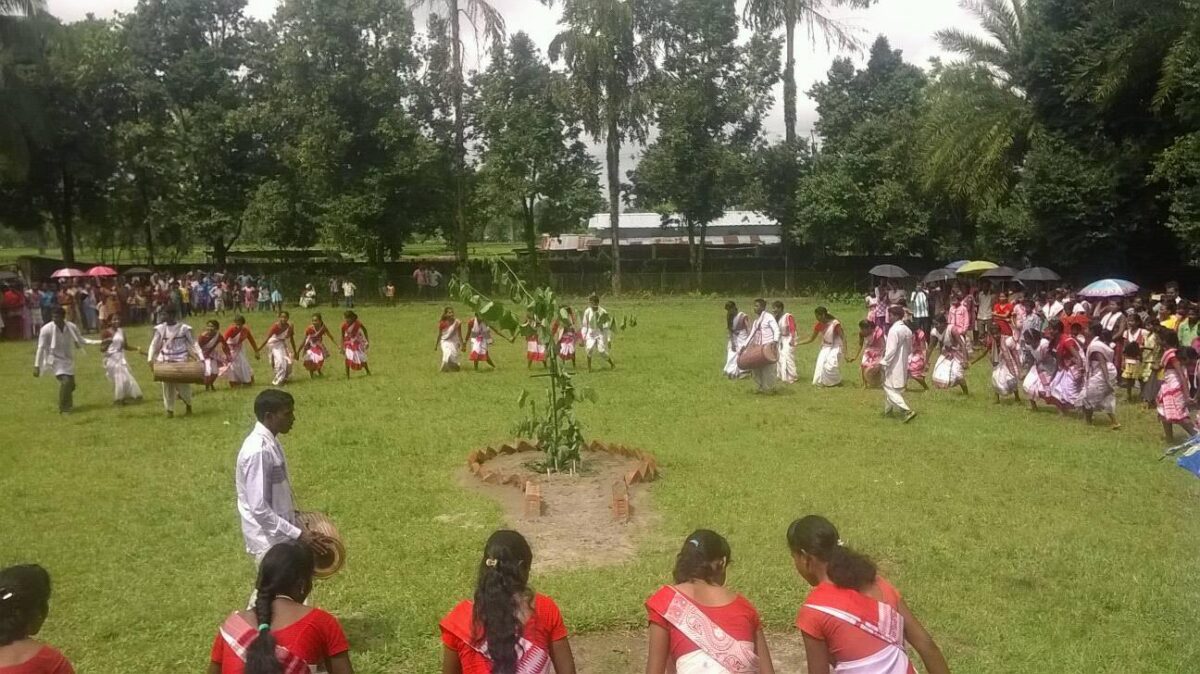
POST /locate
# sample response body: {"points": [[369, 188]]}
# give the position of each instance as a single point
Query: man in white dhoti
{"points": [[173, 342], [57, 341], [597, 331], [787, 343], [895, 364], [764, 332]]}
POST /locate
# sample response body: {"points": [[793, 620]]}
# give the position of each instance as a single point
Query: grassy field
{"points": [[1025, 542]]}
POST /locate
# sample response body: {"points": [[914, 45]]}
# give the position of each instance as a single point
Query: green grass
{"points": [[1025, 542]]}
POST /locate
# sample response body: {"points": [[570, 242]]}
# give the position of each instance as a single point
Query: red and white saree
{"points": [[720, 648]]}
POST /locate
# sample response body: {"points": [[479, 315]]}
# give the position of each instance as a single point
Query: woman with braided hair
{"points": [[24, 605], [508, 628], [282, 635]]}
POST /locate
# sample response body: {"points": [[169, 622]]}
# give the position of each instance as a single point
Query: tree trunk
{"points": [[220, 251], [530, 232], [144, 196], [66, 239], [700, 257], [460, 217], [613, 157], [691, 233], [789, 73]]}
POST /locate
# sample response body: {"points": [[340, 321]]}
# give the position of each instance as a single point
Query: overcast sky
{"points": [[908, 24]]}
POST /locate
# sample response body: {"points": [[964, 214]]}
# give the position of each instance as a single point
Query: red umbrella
{"points": [[67, 272], [102, 271]]}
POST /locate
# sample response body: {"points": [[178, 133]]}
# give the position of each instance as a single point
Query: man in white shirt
{"points": [[348, 289], [433, 279], [56, 353], [419, 276], [764, 331], [985, 301], [597, 331], [173, 342], [895, 364], [265, 501], [918, 303]]}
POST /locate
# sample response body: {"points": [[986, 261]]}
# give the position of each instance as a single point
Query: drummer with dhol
{"points": [[173, 342], [264, 489], [764, 334]]}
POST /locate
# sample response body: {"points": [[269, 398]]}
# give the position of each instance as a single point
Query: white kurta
{"points": [[56, 349], [596, 333], [264, 493], [896, 351], [765, 331]]}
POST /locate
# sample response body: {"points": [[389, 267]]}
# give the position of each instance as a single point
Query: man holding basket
{"points": [[264, 490]]}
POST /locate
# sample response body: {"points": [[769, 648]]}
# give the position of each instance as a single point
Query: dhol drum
{"points": [[333, 558], [758, 356], [189, 372]]}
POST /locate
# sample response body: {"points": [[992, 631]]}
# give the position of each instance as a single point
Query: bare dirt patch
{"points": [[625, 652], [576, 527]]}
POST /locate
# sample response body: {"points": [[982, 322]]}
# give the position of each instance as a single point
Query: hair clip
{"points": [[6, 596], [694, 542], [841, 543], [491, 562], [264, 627]]}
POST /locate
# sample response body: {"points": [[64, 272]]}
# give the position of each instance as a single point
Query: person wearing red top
{"points": [[216, 353], [1066, 388], [1002, 314], [853, 620], [449, 340], [24, 605], [697, 625], [281, 634], [280, 336], [312, 350], [508, 628]]}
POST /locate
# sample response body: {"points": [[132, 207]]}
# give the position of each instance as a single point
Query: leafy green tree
{"points": [[21, 27], [608, 64], [533, 161], [771, 15], [709, 99]]}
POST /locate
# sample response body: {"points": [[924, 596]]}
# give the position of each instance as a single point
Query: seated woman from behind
{"points": [[854, 621], [282, 635], [697, 626], [508, 628], [24, 605]]}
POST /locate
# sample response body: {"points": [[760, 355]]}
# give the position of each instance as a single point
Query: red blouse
{"points": [[544, 627], [313, 638], [845, 641], [739, 619], [46, 661]]}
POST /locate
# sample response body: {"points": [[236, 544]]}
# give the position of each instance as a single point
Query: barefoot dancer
{"points": [[535, 351], [355, 342], [1100, 377], [697, 625], [1041, 373], [738, 325], [1005, 359], [787, 343], [279, 338], [566, 337], [949, 370], [828, 368], [597, 332], [919, 356], [116, 368], [313, 353], [215, 352], [237, 336], [449, 340], [870, 346], [173, 342], [1174, 392], [480, 336]]}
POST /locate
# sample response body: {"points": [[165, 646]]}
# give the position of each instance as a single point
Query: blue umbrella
{"points": [[953, 266]]}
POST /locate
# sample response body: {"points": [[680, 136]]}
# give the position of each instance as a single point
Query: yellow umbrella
{"points": [[976, 267]]}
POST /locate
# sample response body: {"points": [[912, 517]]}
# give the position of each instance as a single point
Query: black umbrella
{"points": [[999, 272], [138, 271], [1038, 274], [888, 271], [939, 275]]}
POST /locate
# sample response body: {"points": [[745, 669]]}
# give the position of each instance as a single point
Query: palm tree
{"points": [[608, 66], [486, 20], [770, 15], [978, 123], [20, 42]]}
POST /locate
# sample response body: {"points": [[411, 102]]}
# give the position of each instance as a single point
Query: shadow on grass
{"points": [[368, 632]]}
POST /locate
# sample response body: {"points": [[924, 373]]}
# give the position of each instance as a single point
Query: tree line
{"points": [[1061, 131]]}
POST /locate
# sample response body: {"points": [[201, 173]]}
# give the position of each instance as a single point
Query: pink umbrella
{"points": [[102, 271], [67, 272]]}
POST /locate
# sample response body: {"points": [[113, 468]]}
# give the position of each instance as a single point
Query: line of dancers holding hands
{"points": [[853, 620]]}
